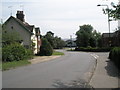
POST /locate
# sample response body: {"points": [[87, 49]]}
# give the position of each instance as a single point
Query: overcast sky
{"points": [[62, 17]]}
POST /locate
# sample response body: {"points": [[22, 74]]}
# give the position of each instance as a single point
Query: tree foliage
{"points": [[83, 35], [55, 41], [46, 48], [59, 43], [114, 12], [86, 36], [15, 52], [50, 37]]}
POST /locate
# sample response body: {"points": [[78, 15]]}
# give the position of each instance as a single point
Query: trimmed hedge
{"points": [[114, 56], [15, 52], [46, 49], [90, 49]]}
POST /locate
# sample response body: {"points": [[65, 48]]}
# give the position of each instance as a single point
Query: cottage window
{"points": [[11, 27]]}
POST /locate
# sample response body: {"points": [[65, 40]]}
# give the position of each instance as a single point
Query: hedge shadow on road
{"points": [[112, 69], [73, 84]]}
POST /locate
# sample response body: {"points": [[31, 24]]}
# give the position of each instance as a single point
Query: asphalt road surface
{"points": [[71, 70]]}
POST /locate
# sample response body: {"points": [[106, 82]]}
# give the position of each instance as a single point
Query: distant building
{"points": [[114, 39], [70, 43], [107, 40], [28, 33]]}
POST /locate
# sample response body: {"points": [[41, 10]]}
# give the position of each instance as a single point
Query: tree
{"points": [[83, 35], [113, 13], [92, 42], [98, 38], [56, 42], [59, 43], [46, 49], [50, 37], [86, 36]]}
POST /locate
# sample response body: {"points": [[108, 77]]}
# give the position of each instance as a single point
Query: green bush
{"points": [[14, 52], [29, 54], [46, 49], [114, 56]]}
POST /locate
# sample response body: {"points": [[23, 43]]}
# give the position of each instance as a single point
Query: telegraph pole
{"points": [[10, 10]]}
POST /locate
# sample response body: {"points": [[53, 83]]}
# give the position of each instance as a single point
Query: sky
{"points": [[62, 17]]}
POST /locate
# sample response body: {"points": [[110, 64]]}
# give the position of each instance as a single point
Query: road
{"points": [[71, 70]]}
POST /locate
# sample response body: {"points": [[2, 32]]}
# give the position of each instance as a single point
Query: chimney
{"points": [[20, 15]]}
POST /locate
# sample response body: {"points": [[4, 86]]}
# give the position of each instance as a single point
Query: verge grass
{"points": [[57, 53], [14, 64]]}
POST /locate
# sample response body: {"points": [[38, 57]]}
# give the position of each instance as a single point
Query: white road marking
{"points": [[95, 56]]}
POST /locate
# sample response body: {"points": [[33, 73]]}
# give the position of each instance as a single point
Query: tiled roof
{"points": [[20, 23], [107, 35]]}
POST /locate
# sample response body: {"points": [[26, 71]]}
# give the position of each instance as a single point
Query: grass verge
{"points": [[14, 64], [57, 53]]}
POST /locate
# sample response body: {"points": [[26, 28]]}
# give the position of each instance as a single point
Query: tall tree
{"points": [[86, 36], [59, 43], [97, 36], [114, 12], [56, 42], [83, 35], [50, 37]]}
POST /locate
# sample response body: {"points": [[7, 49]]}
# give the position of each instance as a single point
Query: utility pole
{"points": [[71, 42], [108, 13], [10, 10]]}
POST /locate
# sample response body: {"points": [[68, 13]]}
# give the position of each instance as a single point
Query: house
{"points": [[107, 39], [114, 39], [29, 34], [70, 43], [117, 38]]}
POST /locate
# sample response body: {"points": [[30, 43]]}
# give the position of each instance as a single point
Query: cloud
{"points": [[63, 17]]}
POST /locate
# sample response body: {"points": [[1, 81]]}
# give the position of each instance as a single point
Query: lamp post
{"points": [[108, 21]]}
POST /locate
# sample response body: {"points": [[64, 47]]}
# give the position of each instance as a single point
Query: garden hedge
{"points": [[114, 56], [46, 48], [15, 52]]}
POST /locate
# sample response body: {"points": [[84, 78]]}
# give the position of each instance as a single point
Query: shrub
{"points": [[29, 54], [114, 56], [14, 52], [46, 49]]}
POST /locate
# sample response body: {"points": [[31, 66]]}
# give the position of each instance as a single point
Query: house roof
{"points": [[20, 23], [105, 35], [30, 27]]}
